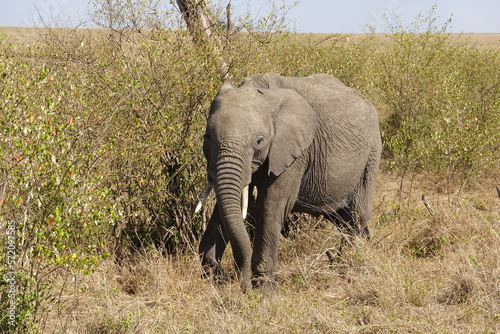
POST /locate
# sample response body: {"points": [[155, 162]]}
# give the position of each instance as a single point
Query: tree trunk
{"points": [[206, 30]]}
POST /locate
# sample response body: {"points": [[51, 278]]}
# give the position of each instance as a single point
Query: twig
{"points": [[427, 205], [498, 191]]}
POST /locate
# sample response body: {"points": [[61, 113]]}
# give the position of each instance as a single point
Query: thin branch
{"points": [[427, 205]]}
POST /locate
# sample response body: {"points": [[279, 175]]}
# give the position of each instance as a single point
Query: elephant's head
{"points": [[249, 129]]}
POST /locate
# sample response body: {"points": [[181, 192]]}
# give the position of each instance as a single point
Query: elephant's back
{"points": [[347, 121]]}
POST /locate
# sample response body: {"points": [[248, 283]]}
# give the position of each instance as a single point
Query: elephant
{"points": [[292, 144]]}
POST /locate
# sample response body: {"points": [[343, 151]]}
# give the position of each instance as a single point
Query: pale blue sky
{"points": [[325, 16]]}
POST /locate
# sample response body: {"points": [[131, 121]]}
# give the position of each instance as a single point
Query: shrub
{"points": [[100, 147], [439, 100]]}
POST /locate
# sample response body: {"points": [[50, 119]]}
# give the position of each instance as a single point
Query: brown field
{"points": [[31, 35], [418, 274]]}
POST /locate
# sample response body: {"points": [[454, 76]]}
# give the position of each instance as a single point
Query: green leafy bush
{"points": [[51, 175], [440, 101]]}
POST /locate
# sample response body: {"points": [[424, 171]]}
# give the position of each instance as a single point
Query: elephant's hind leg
{"points": [[352, 219], [362, 201]]}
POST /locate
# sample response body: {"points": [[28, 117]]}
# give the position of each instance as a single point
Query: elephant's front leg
{"points": [[275, 201], [212, 246]]}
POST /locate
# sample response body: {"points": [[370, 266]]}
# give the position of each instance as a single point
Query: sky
{"points": [[317, 16]]}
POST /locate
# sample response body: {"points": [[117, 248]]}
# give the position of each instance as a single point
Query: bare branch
{"points": [[204, 28], [427, 205]]}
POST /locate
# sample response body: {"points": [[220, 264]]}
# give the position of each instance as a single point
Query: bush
{"points": [[51, 173], [100, 147], [440, 102]]}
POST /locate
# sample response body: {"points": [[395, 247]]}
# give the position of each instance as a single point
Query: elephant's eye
{"points": [[259, 141]]}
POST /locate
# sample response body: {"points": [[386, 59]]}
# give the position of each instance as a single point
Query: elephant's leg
{"points": [[363, 201], [352, 232], [359, 210], [352, 220], [212, 246], [274, 203]]}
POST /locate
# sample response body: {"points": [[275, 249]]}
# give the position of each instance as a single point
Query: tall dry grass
{"points": [[419, 274]]}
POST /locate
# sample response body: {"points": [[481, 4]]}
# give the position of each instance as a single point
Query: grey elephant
{"points": [[308, 144]]}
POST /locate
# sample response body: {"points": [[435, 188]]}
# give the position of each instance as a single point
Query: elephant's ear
{"points": [[295, 129]]}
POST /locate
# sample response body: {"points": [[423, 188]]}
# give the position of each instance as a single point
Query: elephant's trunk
{"points": [[228, 189]]}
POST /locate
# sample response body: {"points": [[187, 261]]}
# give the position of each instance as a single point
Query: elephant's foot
{"points": [[349, 257], [215, 273], [333, 255], [349, 244], [265, 282]]}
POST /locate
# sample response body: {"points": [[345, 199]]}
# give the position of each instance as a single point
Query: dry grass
{"points": [[418, 274]]}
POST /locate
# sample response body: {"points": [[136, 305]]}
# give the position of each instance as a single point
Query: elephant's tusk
{"points": [[254, 193], [244, 202], [204, 196]]}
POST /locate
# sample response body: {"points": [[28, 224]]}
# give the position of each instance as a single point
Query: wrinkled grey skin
{"points": [[307, 144]]}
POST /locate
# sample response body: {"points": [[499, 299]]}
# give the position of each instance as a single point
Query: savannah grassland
{"points": [[101, 166]]}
